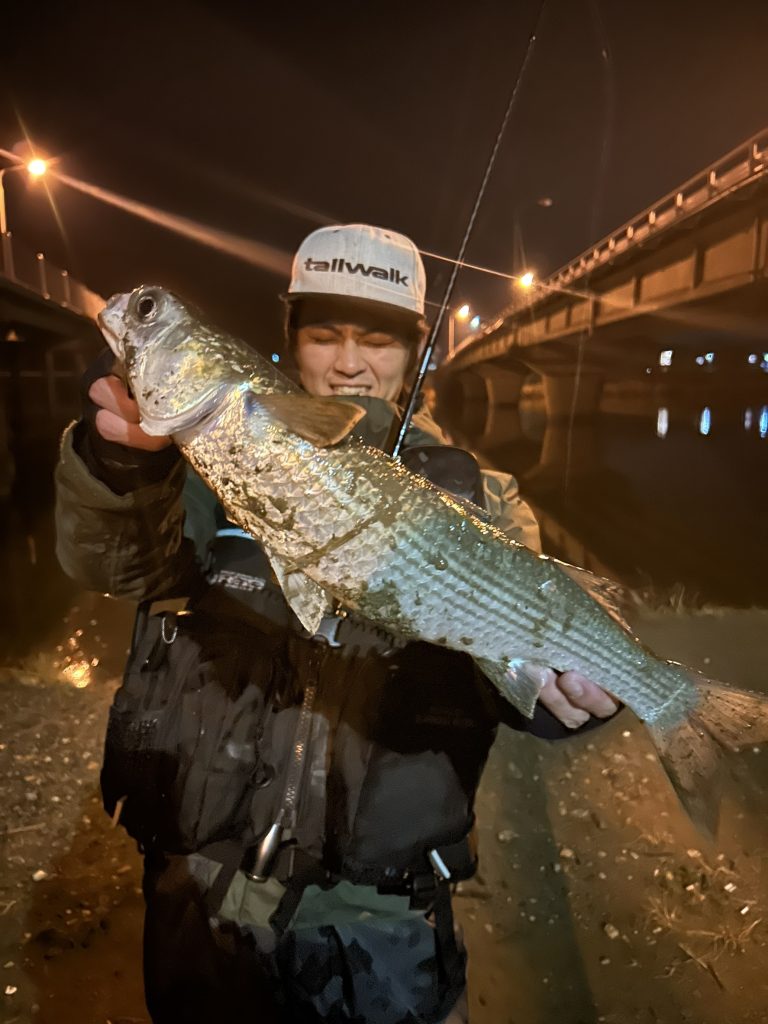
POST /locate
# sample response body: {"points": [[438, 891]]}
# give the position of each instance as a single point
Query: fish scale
{"points": [[503, 627], [341, 521]]}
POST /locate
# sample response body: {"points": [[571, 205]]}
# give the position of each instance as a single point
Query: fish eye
{"points": [[146, 307]]}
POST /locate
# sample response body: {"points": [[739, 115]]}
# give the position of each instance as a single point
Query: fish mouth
{"points": [[112, 325]]}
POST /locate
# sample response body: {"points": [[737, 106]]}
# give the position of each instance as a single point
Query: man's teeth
{"points": [[349, 390]]}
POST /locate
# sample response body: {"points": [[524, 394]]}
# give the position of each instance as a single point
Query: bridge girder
{"points": [[702, 279]]}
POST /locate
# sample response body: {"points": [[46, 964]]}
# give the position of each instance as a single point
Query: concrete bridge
{"points": [[686, 278], [47, 336], [47, 325]]}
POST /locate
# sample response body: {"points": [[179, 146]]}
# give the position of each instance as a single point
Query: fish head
{"points": [[174, 364], [135, 322]]}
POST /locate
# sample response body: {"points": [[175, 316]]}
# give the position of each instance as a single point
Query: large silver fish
{"points": [[342, 522]]}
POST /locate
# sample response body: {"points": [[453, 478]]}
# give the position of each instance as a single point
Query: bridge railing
{"points": [[33, 271], [734, 170], [742, 164]]}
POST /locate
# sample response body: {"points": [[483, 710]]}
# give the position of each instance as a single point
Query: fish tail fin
{"points": [[724, 720]]}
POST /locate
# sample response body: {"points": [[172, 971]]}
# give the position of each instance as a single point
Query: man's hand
{"points": [[118, 416], [572, 698]]}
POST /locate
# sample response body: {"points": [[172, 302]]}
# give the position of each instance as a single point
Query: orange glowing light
{"points": [[37, 167]]}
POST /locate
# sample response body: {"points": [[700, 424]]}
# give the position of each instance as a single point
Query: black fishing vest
{"points": [[237, 735]]}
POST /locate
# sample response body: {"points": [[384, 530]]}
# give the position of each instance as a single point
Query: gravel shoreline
{"points": [[596, 900]]}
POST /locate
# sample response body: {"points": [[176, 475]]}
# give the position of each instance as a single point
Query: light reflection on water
{"points": [[672, 495], [706, 421], [662, 422]]}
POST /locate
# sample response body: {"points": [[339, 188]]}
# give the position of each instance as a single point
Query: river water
{"points": [[671, 497]]}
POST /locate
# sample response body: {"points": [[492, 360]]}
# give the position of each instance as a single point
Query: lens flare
{"points": [[256, 253], [37, 167]]}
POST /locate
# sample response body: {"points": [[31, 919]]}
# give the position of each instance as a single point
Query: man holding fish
{"points": [[301, 779]]}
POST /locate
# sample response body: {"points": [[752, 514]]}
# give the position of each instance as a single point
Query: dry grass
{"points": [[701, 906]]}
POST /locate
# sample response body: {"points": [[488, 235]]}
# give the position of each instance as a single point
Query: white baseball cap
{"points": [[360, 262]]}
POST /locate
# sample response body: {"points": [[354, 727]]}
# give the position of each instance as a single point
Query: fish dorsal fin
{"points": [[470, 507], [308, 601], [323, 421], [610, 595]]}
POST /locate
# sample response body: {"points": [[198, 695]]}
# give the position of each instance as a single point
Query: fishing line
{"points": [[430, 346], [547, 286], [463, 265], [608, 119]]}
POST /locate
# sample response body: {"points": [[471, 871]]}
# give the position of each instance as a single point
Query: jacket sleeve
{"points": [[508, 510], [501, 494], [128, 545]]}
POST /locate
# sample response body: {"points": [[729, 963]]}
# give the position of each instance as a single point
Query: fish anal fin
{"points": [[323, 421], [517, 680], [308, 601]]}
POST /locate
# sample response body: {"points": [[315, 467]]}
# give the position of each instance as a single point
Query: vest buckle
{"points": [[328, 629]]}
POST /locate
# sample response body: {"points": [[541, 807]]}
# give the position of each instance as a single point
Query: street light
{"points": [[36, 168], [526, 279], [462, 313]]}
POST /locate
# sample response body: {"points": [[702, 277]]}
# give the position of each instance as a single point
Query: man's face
{"points": [[343, 349]]}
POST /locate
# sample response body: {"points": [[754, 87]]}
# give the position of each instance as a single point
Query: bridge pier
{"points": [[572, 397], [569, 448], [483, 401], [503, 387]]}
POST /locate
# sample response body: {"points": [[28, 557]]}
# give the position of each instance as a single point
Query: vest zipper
{"points": [[286, 816]]}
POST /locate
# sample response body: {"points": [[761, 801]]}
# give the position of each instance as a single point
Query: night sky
{"points": [[265, 120]]}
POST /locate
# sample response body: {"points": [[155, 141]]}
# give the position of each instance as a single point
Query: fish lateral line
{"points": [[317, 554]]}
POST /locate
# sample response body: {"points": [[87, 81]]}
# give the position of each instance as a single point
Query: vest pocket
{"points": [[182, 745]]}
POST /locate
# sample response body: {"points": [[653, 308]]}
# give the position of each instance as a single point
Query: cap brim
{"points": [[392, 311]]}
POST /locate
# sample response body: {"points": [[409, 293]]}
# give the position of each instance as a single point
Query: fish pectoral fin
{"points": [[611, 596], [518, 680], [308, 601], [323, 421]]}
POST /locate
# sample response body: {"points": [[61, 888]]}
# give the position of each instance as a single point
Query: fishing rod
{"points": [[429, 349]]}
